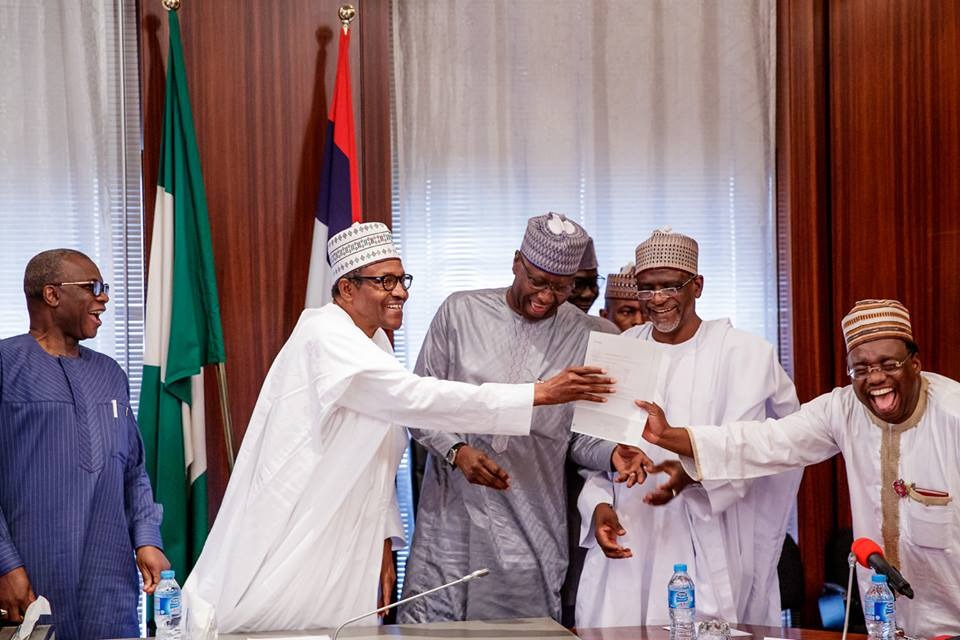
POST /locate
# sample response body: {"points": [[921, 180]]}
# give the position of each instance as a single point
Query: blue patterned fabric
{"points": [[75, 500]]}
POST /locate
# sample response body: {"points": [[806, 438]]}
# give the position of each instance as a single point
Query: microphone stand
{"points": [[479, 573], [852, 561]]}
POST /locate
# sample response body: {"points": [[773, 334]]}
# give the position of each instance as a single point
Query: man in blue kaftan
{"points": [[77, 515]]}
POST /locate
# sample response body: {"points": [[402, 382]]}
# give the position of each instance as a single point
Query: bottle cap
{"points": [[167, 574], [677, 568], [877, 577]]}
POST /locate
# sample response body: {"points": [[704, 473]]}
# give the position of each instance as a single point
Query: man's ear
{"points": [[698, 283], [603, 312], [51, 295], [346, 288]]}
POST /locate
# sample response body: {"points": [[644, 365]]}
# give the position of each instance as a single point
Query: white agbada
{"points": [[299, 538], [923, 451], [728, 533]]}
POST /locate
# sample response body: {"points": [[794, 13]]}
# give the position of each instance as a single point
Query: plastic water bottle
{"points": [[682, 602], [879, 610], [166, 607]]}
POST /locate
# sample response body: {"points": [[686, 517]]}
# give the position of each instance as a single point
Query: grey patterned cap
{"points": [[554, 244], [361, 244], [666, 249], [622, 285], [589, 259]]}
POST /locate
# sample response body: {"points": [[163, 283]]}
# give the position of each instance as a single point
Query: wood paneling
{"points": [[803, 196], [260, 74], [895, 163], [868, 182]]}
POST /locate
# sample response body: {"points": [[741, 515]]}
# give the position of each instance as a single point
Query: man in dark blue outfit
{"points": [[77, 515]]}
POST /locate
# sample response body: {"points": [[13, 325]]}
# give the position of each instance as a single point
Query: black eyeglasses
{"points": [[389, 282], [539, 284], [96, 287], [670, 292]]}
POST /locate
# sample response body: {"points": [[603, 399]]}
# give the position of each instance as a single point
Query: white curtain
{"points": [[70, 155], [625, 114]]}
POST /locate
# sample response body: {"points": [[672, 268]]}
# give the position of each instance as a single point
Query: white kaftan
{"points": [[299, 538], [728, 533], [928, 456]]}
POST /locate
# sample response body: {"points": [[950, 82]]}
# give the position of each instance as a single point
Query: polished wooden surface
{"points": [[659, 633], [261, 76], [868, 158]]}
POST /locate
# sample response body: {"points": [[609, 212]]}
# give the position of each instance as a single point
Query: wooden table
{"points": [[759, 633]]}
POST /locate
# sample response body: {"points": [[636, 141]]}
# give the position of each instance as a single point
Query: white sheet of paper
{"points": [[639, 368]]}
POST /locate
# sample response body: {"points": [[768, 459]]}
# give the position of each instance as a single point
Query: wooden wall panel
{"points": [[895, 163], [802, 199], [868, 182], [260, 74]]}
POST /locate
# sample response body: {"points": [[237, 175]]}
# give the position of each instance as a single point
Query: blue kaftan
{"points": [[75, 500]]}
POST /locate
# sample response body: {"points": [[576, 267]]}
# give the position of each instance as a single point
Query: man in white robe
{"points": [[728, 533], [303, 537], [899, 432]]}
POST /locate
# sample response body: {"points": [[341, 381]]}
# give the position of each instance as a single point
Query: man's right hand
{"points": [[16, 594], [479, 469], [574, 383], [606, 529]]}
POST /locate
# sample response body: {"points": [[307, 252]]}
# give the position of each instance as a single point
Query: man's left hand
{"points": [[677, 479], [631, 464], [151, 562], [388, 577]]}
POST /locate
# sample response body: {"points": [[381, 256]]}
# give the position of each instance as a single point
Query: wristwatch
{"points": [[451, 456]]}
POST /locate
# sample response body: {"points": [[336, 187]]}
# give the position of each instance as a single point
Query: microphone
{"points": [[479, 573], [870, 555]]}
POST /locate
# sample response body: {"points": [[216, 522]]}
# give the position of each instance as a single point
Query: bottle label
{"points": [[883, 612], [167, 605], [681, 599]]}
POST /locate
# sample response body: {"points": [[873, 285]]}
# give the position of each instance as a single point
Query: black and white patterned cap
{"points": [[554, 243], [361, 244]]}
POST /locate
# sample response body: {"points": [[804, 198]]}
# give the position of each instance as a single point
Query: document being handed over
{"points": [[639, 367]]}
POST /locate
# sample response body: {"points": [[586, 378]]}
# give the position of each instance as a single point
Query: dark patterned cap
{"points": [[875, 319], [622, 285], [589, 259], [554, 244]]}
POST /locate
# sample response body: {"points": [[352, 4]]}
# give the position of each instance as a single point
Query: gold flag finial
{"points": [[171, 5], [347, 13]]}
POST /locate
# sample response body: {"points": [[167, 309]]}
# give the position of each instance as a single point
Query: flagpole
{"points": [[171, 5], [225, 414]]}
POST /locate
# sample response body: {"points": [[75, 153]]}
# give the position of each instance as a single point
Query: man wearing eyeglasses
{"points": [[77, 515], [498, 501], [728, 533], [305, 534], [898, 429]]}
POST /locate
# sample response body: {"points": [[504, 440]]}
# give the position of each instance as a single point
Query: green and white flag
{"points": [[183, 331]]}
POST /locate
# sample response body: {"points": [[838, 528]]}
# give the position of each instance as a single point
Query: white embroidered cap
{"points": [[361, 244]]}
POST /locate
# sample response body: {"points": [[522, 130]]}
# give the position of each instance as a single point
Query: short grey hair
{"points": [[44, 268]]}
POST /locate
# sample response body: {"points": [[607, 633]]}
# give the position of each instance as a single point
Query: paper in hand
{"points": [[37, 608], [639, 368]]}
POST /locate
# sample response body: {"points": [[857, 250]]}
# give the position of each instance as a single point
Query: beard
{"points": [[665, 326]]}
